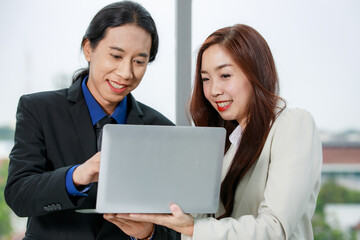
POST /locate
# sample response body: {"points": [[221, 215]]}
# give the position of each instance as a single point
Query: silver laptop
{"points": [[143, 169]]}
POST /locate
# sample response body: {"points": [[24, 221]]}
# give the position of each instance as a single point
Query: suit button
{"points": [[53, 207], [46, 208], [58, 206]]}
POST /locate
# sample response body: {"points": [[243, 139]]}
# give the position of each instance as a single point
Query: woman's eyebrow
{"points": [[218, 67], [223, 65]]}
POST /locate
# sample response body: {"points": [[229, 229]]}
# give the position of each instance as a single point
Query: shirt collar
{"points": [[235, 136], [95, 110]]}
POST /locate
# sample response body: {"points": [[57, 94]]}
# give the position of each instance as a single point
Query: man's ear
{"points": [[87, 49]]}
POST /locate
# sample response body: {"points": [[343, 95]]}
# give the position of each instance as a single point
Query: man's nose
{"points": [[124, 70]]}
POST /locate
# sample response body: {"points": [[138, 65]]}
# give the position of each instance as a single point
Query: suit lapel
{"points": [[240, 203], [135, 113], [252, 186], [81, 120]]}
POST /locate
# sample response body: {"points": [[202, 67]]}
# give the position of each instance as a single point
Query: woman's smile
{"points": [[223, 105]]}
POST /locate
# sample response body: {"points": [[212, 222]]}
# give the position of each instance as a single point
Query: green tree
{"points": [[323, 231], [331, 192], [5, 226]]}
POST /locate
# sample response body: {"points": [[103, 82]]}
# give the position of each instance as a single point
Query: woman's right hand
{"points": [[87, 172]]}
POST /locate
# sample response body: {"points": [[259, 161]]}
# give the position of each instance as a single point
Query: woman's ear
{"points": [[87, 50]]}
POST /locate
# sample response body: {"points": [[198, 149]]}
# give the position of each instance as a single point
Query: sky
{"points": [[315, 45]]}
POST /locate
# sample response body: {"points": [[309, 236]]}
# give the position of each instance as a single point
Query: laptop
{"points": [[145, 168]]}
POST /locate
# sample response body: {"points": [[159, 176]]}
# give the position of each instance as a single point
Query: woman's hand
{"points": [[136, 229], [178, 221], [87, 172]]}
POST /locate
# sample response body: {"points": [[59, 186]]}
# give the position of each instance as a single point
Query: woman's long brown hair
{"points": [[252, 54]]}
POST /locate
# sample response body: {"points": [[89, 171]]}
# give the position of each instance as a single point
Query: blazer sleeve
{"points": [[291, 189], [31, 188]]}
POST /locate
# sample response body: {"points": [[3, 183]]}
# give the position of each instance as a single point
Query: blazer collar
{"points": [[75, 93], [135, 114], [82, 120]]}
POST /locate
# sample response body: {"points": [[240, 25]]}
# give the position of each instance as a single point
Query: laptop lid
{"points": [[145, 168]]}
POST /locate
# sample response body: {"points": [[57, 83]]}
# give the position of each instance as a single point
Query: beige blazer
{"points": [[276, 199]]}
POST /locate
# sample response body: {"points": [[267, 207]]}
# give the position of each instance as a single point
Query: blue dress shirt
{"points": [[96, 114]]}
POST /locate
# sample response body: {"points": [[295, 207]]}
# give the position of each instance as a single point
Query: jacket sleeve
{"points": [[291, 188], [33, 186]]}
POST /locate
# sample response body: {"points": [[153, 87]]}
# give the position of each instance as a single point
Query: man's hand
{"points": [[87, 172], [136, 229]]}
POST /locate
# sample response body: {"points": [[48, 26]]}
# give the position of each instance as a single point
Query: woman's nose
{"points": [[216, 89]]}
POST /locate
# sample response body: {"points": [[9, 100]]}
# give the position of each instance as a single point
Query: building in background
{"points": [[341, 154], [341, 164]]}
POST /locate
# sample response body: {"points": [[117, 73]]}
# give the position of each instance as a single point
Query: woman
{"points": [[272, 165], [54, 164]]}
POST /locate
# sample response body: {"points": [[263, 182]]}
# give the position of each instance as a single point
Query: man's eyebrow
{"points": [[145, 55], [118, 49]]}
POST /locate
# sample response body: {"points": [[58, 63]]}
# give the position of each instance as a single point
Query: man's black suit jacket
{"points": [[54, 132]]}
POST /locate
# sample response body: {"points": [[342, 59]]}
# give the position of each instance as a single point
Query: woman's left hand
{"points": [[178, 220], [136, 229]]}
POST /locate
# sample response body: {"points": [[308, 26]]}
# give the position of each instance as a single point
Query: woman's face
{"points": [[117, 64], [225, 85]]}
